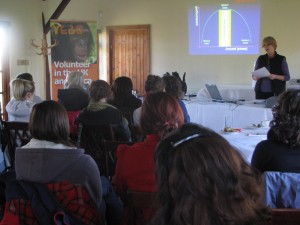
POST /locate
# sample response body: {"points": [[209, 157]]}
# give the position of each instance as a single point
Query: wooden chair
{"points": [[91, 138], [16, 135], [141, 205], [285, 217], [110, 148]]}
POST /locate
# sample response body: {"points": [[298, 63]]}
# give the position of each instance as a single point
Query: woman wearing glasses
{"points": [[274, 84]]}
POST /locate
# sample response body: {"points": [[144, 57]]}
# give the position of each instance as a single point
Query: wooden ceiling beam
{"points": [[55, 15]]}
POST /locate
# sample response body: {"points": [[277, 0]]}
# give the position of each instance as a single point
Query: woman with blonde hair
{"points": [[74, 98], [20, 105]]}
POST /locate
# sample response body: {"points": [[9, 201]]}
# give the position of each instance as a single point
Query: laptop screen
{"points": [[213, 91]]}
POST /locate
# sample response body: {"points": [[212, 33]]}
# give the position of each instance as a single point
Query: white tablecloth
{"points": [[246, 141], [212, 115]]}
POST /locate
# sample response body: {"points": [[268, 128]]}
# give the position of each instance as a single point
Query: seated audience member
{"points": [[173, 87], [20, 105], [99, 112], [281, 151], [123, 98], [49, 157], [152, 84], [28, 76], [203, 180], [74, 98], [135, 165]]}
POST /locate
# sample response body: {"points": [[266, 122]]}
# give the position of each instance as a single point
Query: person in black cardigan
{"points": [[274, 84]]}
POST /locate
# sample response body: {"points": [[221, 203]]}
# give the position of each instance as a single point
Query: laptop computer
{"points": [[216, 96]]}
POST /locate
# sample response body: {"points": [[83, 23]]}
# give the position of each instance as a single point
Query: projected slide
{"points": [[224, 29]]}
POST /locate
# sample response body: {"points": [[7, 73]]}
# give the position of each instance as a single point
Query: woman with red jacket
{"points": [[161, 113]]}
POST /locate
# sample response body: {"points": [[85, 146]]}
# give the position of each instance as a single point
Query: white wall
{"points": [[169, 36], [26, 24]]}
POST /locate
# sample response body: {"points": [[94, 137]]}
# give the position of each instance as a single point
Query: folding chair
{"points": [[91, 138], [110, 148], [16, 135]]}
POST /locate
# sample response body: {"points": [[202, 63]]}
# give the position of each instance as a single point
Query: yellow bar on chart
{"points": [[225, 28]]}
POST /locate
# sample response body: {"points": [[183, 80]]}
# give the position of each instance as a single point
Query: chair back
{"points": [[16, 135], [73, 126], [141, 206], [110, 148], [91, 138], [53, 203], [281, 190], [285, 217]]}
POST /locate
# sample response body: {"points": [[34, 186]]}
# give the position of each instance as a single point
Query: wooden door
{"points": [[128, 50]]}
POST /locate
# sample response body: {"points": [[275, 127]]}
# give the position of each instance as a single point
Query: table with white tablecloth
{"points": [[246, 140], [213, 114]]}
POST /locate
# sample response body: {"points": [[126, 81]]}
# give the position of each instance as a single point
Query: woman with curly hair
{"points": [[203, 180], [281, 151]]}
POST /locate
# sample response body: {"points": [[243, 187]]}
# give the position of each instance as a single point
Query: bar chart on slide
{"points": [[224, 29]]}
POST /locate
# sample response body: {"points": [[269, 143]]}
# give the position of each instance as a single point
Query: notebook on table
{"points": [[215, 95]]}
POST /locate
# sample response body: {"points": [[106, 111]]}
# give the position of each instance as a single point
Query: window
{"points": [[4, 65]]}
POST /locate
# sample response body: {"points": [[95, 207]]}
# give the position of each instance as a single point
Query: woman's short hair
{"points": [[160, 114], [20, 87], [202, 179], [285, 126], [74, 79], [173, 86], [269, 41], [49, 121], [99, 89], [154, 83]]}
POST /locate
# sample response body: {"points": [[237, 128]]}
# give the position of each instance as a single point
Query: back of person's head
{"points": [[25, 76], [20, 88], [172, 86], [160, 114], [269, 41], [74, 79], [49, 121], [99, 89], [154, 83], [202, 180], [122, 87], [285, 126]]}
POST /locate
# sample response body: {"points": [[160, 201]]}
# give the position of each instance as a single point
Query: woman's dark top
{"points": [[106, 115], [274, 156], [275, 66], [73, 99], [130, 103]]}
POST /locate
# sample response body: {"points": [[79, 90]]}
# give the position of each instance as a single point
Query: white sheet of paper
{"points": [[262, 72]]}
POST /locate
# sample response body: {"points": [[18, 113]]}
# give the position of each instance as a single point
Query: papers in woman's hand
{"points": [[262, 72]]}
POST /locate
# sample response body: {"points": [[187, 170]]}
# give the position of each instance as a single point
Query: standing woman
{"points": [[274, 84]]}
